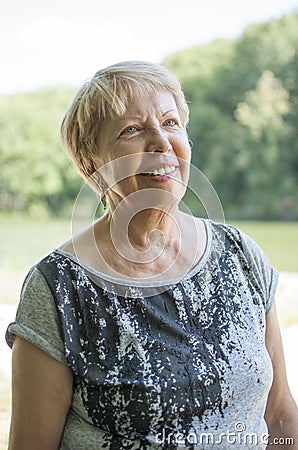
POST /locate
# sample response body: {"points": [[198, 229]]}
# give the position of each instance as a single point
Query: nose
{"points": [[158, 142]]}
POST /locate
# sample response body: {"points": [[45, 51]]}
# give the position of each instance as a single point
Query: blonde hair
{"points": [[107, 94]]}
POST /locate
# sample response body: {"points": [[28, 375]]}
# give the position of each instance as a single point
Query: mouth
{"points": [[161, 171]]}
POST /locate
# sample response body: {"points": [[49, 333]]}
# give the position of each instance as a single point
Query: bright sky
{"points": [[65, 41]]}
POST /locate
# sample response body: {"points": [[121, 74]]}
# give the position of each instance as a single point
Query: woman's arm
{"points": [[281, 412], [41, 396]]}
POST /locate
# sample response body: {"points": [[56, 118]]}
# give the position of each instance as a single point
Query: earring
{"points": [[190, 143], [103, 199], [100, 188]]}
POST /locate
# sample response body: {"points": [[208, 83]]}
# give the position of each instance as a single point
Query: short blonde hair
{"points": [[107, 94]]}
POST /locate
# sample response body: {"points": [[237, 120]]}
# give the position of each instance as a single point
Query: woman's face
{"points": [[146, 148]]}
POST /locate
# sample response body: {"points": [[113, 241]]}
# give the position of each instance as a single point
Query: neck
{"points": [[142, 236], [159, 228]]}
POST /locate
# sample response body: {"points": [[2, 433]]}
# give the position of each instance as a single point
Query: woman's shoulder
{"points": [[86, 247], [251, 257], [239, 240], [78, 242], [232, 233], [233, 241]]}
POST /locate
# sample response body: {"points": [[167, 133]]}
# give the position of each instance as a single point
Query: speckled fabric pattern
{"points": [[158, 371]]}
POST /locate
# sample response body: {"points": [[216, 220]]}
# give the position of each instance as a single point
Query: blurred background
{"points": [[238, 65]]}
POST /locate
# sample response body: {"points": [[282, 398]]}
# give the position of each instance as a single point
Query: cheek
{"points": [[183, 149], [116, 164], [184, 154]]}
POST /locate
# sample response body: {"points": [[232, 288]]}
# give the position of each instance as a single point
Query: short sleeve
{"points": [[36, 318], [265, 274]]}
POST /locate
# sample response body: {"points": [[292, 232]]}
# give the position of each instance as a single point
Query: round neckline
{"points": [[144, 284]]}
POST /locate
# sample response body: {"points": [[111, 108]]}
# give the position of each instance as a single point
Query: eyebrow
{"points": [[170, 111], [132, 116], [129, 117]]}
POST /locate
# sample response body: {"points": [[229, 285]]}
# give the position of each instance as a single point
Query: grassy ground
{"points": [[23, 242]]}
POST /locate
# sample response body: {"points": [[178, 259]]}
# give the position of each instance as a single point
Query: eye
{"points": [[129, 130], [170, 123]]}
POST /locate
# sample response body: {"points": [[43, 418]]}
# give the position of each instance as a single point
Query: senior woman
{"points": [[152, 328]]}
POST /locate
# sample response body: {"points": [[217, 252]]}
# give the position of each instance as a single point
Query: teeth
{"points": [[162, 170]]}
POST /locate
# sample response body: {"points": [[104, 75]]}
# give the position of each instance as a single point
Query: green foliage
{"points": [[36, 175], [244, 115]]}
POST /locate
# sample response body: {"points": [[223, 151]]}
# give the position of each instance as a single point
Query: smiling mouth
{"points": [[168, 170]]}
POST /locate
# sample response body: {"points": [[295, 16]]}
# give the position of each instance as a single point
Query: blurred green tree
{"points": [[36, 175]]}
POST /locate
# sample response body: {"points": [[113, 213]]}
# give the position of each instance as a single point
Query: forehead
{"points": [[158, 101], [142, 105]]}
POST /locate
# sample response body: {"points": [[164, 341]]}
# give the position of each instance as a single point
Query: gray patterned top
{"points": [[184, 368]]}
